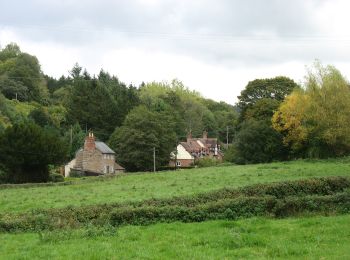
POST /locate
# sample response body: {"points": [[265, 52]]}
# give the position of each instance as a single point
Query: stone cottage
{"points": [[95, 158]]}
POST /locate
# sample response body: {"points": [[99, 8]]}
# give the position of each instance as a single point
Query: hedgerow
{"points": [[233, 209], [324, 195]]}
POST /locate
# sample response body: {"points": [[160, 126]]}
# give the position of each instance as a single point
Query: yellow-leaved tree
{"points": [[288, 119], [317, 118]]}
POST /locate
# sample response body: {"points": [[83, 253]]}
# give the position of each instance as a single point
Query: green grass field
{"points": [[164, 184], [255, 238], [305, 237]]}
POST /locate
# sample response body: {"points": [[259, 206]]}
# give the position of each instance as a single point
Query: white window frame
{"points": [[178, 163]]}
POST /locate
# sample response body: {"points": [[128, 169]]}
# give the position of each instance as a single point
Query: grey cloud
{"points": [[205, 29]]}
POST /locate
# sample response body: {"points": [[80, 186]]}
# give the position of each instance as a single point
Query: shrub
{"points": [[76, 174], [324, 195], [55, 177], [208, 162]]}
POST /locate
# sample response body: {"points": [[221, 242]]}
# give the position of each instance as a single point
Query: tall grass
{"points": [[254, 238], [138, 187]]}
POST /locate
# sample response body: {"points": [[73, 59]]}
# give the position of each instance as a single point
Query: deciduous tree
{"points": [[142, 131]]}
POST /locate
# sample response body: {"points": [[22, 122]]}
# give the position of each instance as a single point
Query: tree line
{"points": [[282, 120], [274, 119], [133, 120]]}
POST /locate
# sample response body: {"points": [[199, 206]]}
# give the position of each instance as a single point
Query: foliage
{"points": [[142, 131], [91, 106], [208, 162], [75, 136], [189, 110], [278, 199], [275, 89], [12, 89], [126, 98], [289, 119], [76, 174], [314, 122], [230, 154], [56, 177], [62, 95], [137, 187], [40, 116], [20, 73], [257, 142], [99, 104], [262, 109], [27, 150]]}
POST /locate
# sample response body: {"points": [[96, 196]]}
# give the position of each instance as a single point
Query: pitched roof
{"points": [[103, 148], [118, 167], [209, 142], [191, 146], [182, 153]]}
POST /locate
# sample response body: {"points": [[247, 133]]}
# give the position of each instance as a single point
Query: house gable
{"points": [[96, 157]]}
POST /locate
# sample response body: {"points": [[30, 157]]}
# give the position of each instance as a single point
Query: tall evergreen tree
{"points": [[27, 150], [93, 108]]}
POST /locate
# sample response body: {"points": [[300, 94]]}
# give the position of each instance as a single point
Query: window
{"points": [[178, 163]]}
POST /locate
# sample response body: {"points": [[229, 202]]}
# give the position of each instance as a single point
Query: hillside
{"points": [[136, 187], [237, 206]]}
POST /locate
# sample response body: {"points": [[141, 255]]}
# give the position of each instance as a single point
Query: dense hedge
{"points": [[324, 195], [233, 209]]}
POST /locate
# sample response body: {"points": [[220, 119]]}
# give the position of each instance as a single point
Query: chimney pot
{"points": [[90, 142], [189, 136], [205, 135]]}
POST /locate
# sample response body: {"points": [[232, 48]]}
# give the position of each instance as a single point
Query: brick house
{"points": [[195, 149], [95, 158], [183, 158]]}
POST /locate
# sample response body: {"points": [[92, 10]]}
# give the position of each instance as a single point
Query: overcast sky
{"points": [[213, 46]]}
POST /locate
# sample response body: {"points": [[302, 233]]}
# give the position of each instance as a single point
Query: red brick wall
{"points": [[184, 163]]}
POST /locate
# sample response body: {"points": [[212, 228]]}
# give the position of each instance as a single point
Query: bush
{"points": [[233, 209], [55, 177], [76, 174], [3, 175], [208, 162], [324, 195]]}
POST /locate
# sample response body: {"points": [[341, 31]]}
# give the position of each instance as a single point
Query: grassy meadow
{"points": [[137, 187], [306, 236], [314, 237]]}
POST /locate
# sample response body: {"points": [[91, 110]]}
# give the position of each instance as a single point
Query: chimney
{"points": [[205, 135], [89, 144], [189, 136]]}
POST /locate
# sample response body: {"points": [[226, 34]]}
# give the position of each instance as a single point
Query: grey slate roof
{"points": [[103, 148]]}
